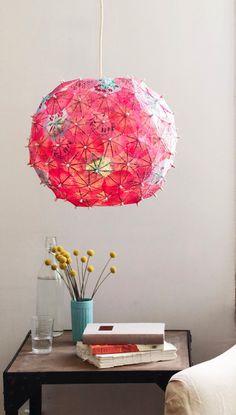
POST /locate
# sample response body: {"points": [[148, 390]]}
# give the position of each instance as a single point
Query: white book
{"points": [[124, 333], [102, 361]]}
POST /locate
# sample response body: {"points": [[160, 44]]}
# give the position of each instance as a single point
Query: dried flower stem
{"points": [[100, 276], [99, 285], [73, 283], [86, 282], [78, 271], [70, 283], [84, 278], [67, 285]]}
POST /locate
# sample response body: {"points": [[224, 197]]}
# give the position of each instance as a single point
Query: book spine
{"points": [[113, 348], [123, 339]]}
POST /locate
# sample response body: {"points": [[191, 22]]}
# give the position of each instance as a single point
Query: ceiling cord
{"points": [[101, 39]]}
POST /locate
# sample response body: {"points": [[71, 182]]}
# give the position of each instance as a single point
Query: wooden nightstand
{"points": [[27, 372]]}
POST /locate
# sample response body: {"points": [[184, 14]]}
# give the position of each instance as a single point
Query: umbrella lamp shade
{"points": [[102, 142]]}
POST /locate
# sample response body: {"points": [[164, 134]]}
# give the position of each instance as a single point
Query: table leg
{"points": [[162, 382], [35, 401], [16, 393]]}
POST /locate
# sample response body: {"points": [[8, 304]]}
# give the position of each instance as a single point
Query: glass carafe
{"points": [[50, 290]]}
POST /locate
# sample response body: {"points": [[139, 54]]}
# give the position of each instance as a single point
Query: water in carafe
{"points": [[50, 291]]}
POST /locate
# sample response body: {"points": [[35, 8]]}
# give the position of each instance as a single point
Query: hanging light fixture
{"points": [[103, 142]]}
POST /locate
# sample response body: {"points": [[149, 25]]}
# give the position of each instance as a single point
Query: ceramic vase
{"points": [[81, 315]]}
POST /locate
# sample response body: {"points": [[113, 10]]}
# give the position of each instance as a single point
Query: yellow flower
{"points": [[76, 252], [90, 252], [54, 267], [66, 254], [48, 262], [54, 249], [83, 259], [68, 260], [113, 254], [90, 268], [62, 259], [113, 270], [73, 273], [63, 265], [60, 248]]}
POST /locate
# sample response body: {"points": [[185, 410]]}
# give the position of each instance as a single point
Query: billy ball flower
{"points": [[73, 273], [84, 259], [60, 248], [113, 254], [62, 259], [65, 253], [63, 265], [90, 252], [113, 270], [54, 267], [90, 268], [48, 262], [76, 252]]}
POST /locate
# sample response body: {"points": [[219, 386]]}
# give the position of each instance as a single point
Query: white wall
{"points": [[176, 251]]}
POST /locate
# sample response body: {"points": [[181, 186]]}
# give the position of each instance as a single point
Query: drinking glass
{"points": [[41, 333]]}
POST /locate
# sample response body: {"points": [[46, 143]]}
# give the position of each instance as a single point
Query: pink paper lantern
{"points": [[103, 142]]}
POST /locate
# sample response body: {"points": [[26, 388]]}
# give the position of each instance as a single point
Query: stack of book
{"points": [[109, 345]]}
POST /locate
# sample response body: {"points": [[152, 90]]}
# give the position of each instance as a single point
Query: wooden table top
{"points": [[63, 357]]}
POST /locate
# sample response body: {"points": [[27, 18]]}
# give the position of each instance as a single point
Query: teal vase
{"points": [[81, 315]]}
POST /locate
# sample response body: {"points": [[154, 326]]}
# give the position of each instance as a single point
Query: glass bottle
{"points": [[50, 292]]}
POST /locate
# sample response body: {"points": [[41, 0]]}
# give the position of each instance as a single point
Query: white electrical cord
{"points": [[100, 38]]}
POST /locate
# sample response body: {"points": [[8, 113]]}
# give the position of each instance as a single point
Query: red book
{"points": [[113, 348]]}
